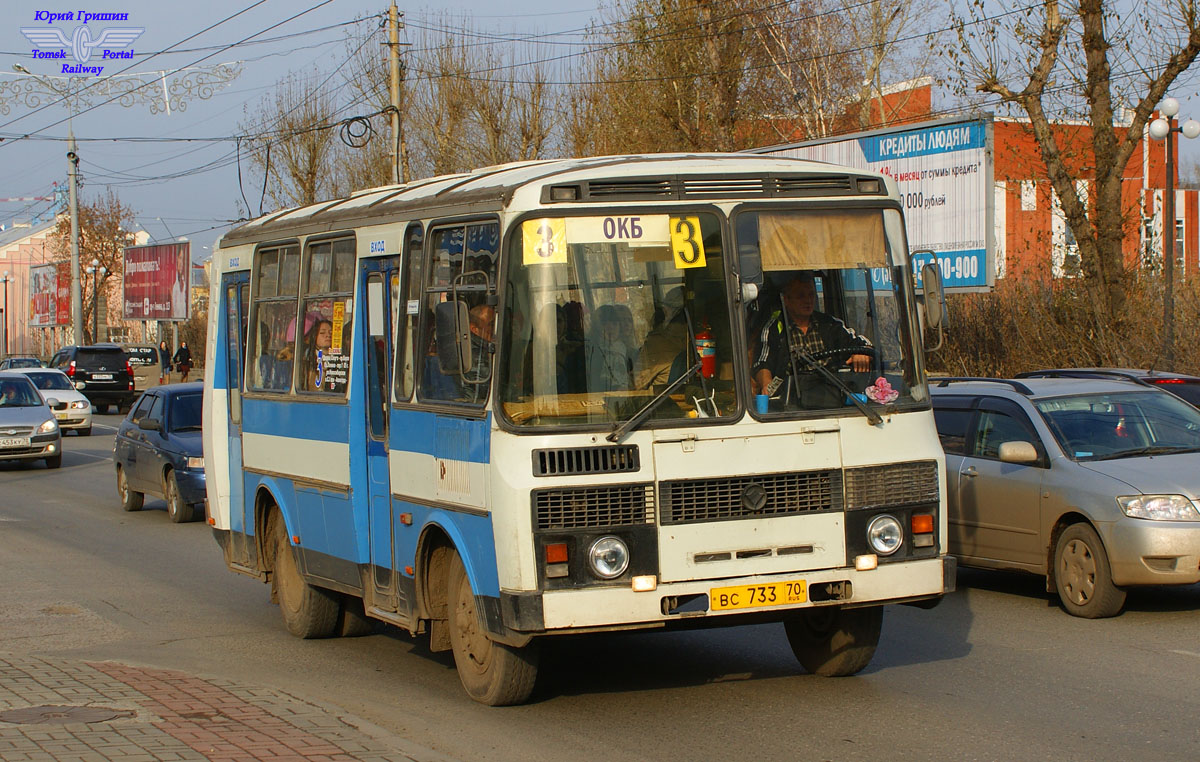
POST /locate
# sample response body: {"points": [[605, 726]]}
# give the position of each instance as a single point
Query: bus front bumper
{"points": [[605, 608]]}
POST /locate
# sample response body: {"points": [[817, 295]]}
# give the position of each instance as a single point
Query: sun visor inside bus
{"points": [[833, 239]]}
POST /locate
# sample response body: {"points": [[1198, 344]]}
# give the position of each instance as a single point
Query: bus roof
{"points": [[601, 179]]}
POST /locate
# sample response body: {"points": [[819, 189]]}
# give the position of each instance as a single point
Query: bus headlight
{"points": [[885, 535], [608, 557]]}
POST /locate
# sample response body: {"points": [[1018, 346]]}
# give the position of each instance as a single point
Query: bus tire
{"points": [[308, 611], [491, 673], [353, 621], [834, 642]]}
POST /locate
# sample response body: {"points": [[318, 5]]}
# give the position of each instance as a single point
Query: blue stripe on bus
{"points": [[441, 436], [472, 535], [301, 420]]}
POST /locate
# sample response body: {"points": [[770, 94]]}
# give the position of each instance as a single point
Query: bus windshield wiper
{"points": [[637, 418], [825, 373]]}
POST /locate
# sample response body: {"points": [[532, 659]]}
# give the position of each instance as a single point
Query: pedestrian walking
{"points": [[183, 360], [164, 362]]}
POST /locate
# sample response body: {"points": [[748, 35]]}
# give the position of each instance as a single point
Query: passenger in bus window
{"points": [[806, 332], [665, 343], [607, 354], [482, 327]]}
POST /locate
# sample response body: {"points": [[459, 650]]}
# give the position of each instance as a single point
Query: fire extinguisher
{"points": [[706, 348]]}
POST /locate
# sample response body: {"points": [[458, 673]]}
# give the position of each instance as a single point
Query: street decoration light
{"points": [[98, 274], [1162, 128], [160, 90]]}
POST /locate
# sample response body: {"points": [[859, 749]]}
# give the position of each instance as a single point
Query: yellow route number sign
{"points": [[544, 241], [686, 242]]}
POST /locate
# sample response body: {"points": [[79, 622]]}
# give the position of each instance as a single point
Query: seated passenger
{"points": [[666, 340], [808, 332], [607, 354]]}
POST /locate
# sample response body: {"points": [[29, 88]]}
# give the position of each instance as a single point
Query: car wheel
{"points": [[178, 511], [84, 432], [835, 642], [308, 611], [1082, 575], [54, 461], [492, 673], [130, 500]]}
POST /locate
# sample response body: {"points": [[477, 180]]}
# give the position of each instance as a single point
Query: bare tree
{"points": [[1053, 61], [105, 229], [294, 141]]}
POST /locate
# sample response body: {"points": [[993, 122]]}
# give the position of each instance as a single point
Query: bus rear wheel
{"points": [[308, 611], [492, 673], [835, 642]]}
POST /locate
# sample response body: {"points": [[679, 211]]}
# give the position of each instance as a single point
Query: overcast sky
{"points": [[191, 185]]}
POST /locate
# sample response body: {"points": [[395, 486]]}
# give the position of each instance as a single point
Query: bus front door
{"points": [[235, 296], [379, 284]]}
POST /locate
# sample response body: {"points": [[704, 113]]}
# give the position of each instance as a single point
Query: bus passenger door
{"points": [[379, 287], [235, 290]]}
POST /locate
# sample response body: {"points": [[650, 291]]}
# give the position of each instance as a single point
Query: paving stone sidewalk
{"points": [[61, 711]]}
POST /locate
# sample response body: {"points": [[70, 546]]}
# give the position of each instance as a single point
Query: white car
{"points": [[74, 411]]}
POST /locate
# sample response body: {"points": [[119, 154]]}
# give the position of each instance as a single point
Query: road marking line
{"points": [[1186, 653], [87, 455]]}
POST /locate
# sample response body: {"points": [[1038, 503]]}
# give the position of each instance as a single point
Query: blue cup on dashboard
{"points": [[761, 401]]}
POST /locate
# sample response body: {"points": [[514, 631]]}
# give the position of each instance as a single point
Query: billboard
{"points": [[944, 174], [157, 282], [50, 295]]}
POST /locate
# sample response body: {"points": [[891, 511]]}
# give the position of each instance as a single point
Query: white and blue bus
{"points": [[527, 401]]}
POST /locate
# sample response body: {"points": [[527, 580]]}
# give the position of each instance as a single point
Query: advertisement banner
{"points": [[62, 304], [43, 296], [944, 174], [157, 282]]}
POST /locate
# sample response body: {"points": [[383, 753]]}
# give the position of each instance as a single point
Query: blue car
{"points": [[158, 451]]}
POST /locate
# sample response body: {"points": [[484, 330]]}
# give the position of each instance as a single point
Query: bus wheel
{"points": [[833, 642], [492, 673], [308, 611], [353, 621]]}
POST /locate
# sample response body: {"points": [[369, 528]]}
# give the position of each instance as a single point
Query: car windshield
{"points": [[18, 392], [186, 412], [1121, 424], [23, 362], [48, 380], [1187, 390]]}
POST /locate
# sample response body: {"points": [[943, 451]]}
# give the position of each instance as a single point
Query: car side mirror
{"points": [[149, 424], [52, 402], [1018, 452]]}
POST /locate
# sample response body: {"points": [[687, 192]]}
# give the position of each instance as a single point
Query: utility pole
{"points": [[73, 191], [399, 150]]}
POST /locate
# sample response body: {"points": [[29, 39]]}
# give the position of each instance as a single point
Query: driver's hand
{"points": [[860, 363]]}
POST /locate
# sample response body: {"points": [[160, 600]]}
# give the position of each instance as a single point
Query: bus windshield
{"points": [[831, 324], [603, 313]]}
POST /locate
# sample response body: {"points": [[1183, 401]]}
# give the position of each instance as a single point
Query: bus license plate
{"points": [[16, 442], [756, 596]]}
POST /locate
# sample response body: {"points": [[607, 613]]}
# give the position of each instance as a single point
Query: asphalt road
{"points": [[998, 671]]}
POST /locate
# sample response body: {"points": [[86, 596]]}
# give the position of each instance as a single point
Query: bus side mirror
{"points": [[933, 301]]}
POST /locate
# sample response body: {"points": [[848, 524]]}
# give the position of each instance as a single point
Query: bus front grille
{"points": [[895, 484], [689, 501], [586, 460], [613, 505]]}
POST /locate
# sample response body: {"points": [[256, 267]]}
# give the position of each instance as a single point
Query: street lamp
{"points": [[97, 272], [5, 280], [1159, 129]]}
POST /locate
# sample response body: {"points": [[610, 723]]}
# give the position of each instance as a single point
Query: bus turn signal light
{"points": [[922, 523], [556, 553]]}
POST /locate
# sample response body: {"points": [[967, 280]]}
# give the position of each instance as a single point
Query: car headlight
{"points": [[48, 426], [885, 535], [1159, 507], [195, 463], [608, 557], [80, 405]]}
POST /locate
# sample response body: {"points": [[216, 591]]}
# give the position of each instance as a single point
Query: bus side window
{"points": [[271, 345], [325, 333]]}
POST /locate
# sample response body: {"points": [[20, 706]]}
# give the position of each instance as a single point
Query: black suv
{"points": [[101, 372]]}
